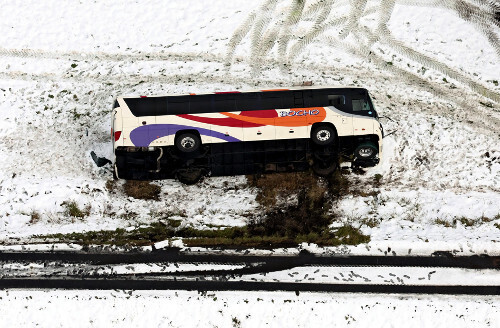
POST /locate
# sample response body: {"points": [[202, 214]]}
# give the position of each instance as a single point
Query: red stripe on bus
{"points": [[226, 121]]}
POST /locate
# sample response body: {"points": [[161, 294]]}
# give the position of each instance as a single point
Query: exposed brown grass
{"points": [[111, 185], [444, 223], [308, 216], [35, 217], [463, 221], [372, 222], [141, 189], [295, 208], [72, 210]]}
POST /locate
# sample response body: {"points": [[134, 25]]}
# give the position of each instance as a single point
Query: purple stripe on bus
{"points": [[146, 134]]}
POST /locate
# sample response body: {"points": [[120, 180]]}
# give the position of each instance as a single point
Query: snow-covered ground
{"points": [[62, 64], [60, 72], [234, 309]]}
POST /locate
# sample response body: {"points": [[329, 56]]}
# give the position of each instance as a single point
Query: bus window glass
{"points": [[248, 101], [147, 106], [200, 104], [178, 105], [225, 103], [271, 101], [318, 99], [287, 99], [360, 105], [337, 101]]}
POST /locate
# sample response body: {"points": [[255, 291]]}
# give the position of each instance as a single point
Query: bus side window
{"points": [[318, 99], [178, 105], [248, 101], [287, 99], [158, 105], [225, 103], [271, 100], [337, 101], [200, 104], [147, 106]]}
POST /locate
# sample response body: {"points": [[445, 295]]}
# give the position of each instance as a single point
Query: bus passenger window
{"points": [[248, 101], [336, 100], [178, 105], [200, 104], [360, 105], [271, 101]]}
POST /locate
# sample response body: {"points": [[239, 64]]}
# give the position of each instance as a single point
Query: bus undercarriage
{"points": [[237, 158]]}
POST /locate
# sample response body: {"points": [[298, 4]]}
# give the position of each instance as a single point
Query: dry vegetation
{"points": [[466, 222], [71, 209], [307, 218], [35, 217], [294, 208], [141, 189]]}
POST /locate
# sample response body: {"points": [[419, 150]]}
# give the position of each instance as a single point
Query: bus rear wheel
{"points": [[324, 168], [323, 135], [187, 142], [189, 176]]}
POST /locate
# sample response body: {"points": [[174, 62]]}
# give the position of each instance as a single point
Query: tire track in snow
{"points": [[488, 119], [103, 56]]}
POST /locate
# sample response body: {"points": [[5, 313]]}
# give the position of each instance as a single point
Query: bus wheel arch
{"points": [[187, 141], [323, 134]]}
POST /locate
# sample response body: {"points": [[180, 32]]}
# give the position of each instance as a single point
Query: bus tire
{"points": [[323, 135], [324, 169], [366, 151], [187, 142], [189, 176]]}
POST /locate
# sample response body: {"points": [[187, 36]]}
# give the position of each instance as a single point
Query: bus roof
{"points": [[249, 91]]}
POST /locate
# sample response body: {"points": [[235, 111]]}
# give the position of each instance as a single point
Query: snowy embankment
{"points": [[59, 74]]}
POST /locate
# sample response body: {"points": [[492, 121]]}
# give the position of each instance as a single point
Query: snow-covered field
{"points": [[60, 72], [436, 76], [232, 309]]}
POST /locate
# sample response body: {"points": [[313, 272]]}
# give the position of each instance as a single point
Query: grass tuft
{"points": [[35, 217], [371, 223], [72, 209]]}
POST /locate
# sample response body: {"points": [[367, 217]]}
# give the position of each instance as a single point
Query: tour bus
{"points": [[329, 116]]}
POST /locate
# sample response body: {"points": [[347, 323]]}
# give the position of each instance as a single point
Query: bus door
{"points": [[264, 118], [362, 110], [231, 128], [340, 106], [296, 126]]}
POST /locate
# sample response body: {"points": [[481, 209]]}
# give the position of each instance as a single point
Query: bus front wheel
{"points": [[187, 142], [366, 151], [323, 135]]}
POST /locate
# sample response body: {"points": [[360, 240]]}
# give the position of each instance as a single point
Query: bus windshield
{"points": [[363, 106]]}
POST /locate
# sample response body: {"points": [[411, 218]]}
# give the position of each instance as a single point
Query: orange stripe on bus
{"points": [[283, 121]]}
